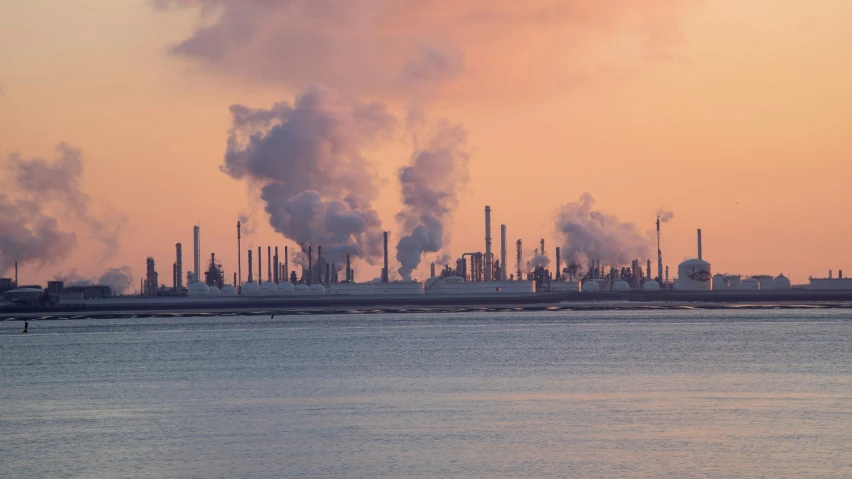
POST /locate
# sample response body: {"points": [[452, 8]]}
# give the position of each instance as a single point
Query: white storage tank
{"points": [[591, 287], [229, 291], [560, 287], [749, 284], [215, 292], [284, 289], [720, 282], [693, 275], [781, 283], [316, 289], [267, 288], [398, 288], [300, 289], [198, 290], [453, 285], [651, 285], [250, 289], [620, 286], [765, 281]]}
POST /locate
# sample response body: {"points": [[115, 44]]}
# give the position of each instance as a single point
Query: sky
{"points": [[733, 115]]}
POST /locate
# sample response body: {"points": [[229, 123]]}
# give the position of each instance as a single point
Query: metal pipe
{"points": [[286, 263], [503, 252], [520, 257], [250, 263], [179, 266], [196, 231], [277, 267], [699, 243], [259, 265]]}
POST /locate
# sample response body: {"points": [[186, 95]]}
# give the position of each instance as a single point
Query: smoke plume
{"points": [[30, 236], [430, 187], [393, 47], [539, 259], [308, 161], [665, 215], [59, 182], [590, 234], [118, 279]]}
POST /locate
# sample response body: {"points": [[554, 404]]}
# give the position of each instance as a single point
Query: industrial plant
{"points": [[475, 274]]}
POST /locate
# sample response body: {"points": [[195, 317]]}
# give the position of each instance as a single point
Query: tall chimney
{"points": [[259, 265], [385, 272], [269, 263], [235, 278], [699, 243], [174, 276], [558, 265], [648, 271], [277, 267], [348, 269], [250, 276], [309, 276], [196, 252], [286, 263], [542, 247], [432, 270], [503, 252], [520, 256], [179, 266], [488, 262], [659, 255], [239, 284]]}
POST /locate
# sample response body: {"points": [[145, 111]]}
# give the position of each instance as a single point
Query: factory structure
{"points": [[480, 273]]}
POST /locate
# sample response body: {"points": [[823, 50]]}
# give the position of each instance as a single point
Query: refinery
{"points": [[478, 277]]}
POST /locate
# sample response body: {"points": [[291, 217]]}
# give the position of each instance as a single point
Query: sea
{"points": [[733, 393]]}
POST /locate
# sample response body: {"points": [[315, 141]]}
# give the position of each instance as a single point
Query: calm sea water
{"points": [[605, 394]]}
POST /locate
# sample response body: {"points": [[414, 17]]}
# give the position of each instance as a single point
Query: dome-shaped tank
{"points": [[316, 290], [591, 287], [267, 288], [749, 284], [250, 289], [693, 275], [229, 291], [620, 286], [198, 290], [300, 289], [720, 282], [651, 285], [781, 283], [284, 289], [215, 292]]}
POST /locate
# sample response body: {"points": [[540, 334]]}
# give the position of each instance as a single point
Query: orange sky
{"points": [[735, 115]]}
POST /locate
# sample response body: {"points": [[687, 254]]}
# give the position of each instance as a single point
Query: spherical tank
{"points": [[620, 286], [693, 275], [284, 289], [267, 288], [749, 284], [651, 285], [300, 289], [250, 289], [591, 287], [229, 291], [316, 289], [198, 290], [781, 283], [215, 292]]}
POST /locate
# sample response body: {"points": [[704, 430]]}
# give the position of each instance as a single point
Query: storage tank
{"points": [[399, 288], [560, 287], [229, 291], [316, 289], [720, 282], [284, 289], [215, 292], [620, 286], [198, 290], [267, 288], [765, 281], [693, 275], [651, 285], [453, 285], [300, 289], [250, 289], [749, 284], [781, 283], [591, 287]]}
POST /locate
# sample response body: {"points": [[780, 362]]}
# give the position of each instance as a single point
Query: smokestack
{"points": [[310, 274], [488, 262], [558, 265], [503, 252], [259, 265], [667, 278], [542, 247], [250, 276], [648, 271], [269, 263], [179, 266], [659, 254], [16, 274], [235, 278], [277, 267], [318, 274], [286, 263], [520, 256], [385, 275], [239, 284], [174, 276], [432, 270], [196, 232], [348, 269], [699, 243]]}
